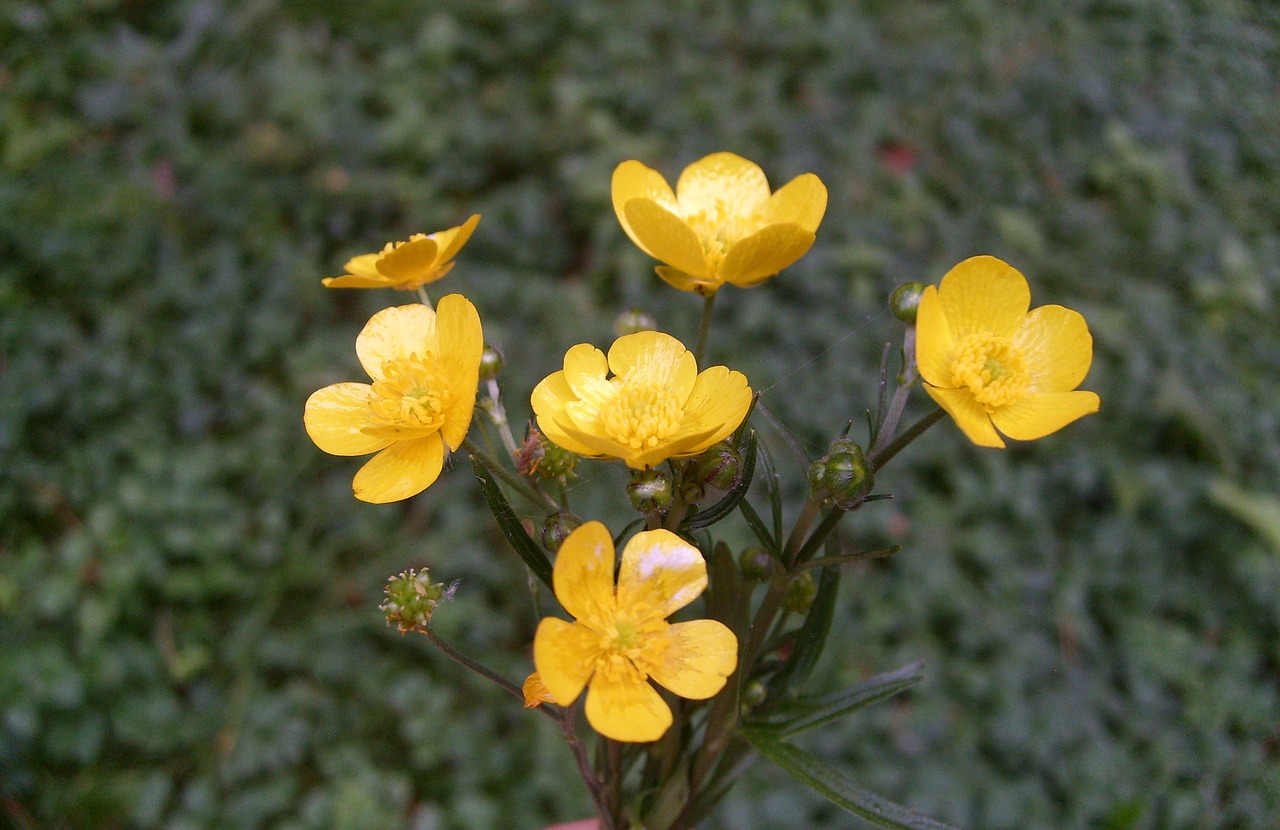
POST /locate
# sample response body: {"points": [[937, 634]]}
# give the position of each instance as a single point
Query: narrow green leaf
{"points": [[769, 541], [808, 712], [774, 486], [627, 531], [509, 524], [846, 558], [834, 786], [725, 506], [725, 590], [811, 639]]}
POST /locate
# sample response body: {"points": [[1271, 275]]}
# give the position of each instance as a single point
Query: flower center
{"points": [[412, 393], [718, 228], [627, 649], [992, 368], [641, 414]]}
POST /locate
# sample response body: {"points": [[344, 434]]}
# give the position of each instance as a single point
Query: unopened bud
{"points": [[904, 301], [841, 478], [692, 491], [650, 491], [538, 457], [753, 694], [411, 599], [632, 321], [801, 593], [719, 467], [557, 528], [491, 363], [756, 563]]}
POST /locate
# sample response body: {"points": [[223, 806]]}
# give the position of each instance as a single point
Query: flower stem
{"points": [[881, 457], [520, 485], [704, 327], [422, 296], [467, 663], [498, 414], [889, 425]]}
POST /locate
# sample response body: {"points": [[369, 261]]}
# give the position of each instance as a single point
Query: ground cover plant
{"points": [[188, 592]]}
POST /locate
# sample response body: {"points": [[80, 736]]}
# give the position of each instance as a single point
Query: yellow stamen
{"points": [[642, 413], [992, 368], [719, 227], [411, 394]]}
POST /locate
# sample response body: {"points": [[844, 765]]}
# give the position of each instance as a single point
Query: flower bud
{"points": [[719, 467], [800, 593], [412, 599], [491, 363], [753, 694], [557, 528], [538, 457], [632, 321], [756, 563], [692, 491], [650, 491], [905, 300], [841, 478]]}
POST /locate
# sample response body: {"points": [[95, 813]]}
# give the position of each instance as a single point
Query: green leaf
{"points": [[836, 787], [1260, 511], [846, 558], [725, 506], [509, 524], [805, 713], [774, 486], [812, 637], [725, 590], [762, 533]]}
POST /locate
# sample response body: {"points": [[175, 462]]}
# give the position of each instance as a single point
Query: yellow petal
{"points": [[660, 571], [535, 692], [666, 236], [934, 341], [452, 240], [365, 265], [356, 281], [549, 399], [801, 201], [336, 415], [626, 708], [1039, 413], [461, 342], [700, 655], [753, 260], [565, 655], [662, 359], [561, 437], [968, 414], [404, 469], [396, 333], [721, 180], [633, 180], [984, 294], [410, 261], [585, 368], [583, 576], [597, 445], [1057, 347], [679, 279], [719, 401]]}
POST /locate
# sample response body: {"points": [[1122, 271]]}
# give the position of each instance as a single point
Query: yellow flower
{"points": [[535, 692], [408, 265], [656, 406], [721, 224], [620, 639], [425, 368], [991, 364]]}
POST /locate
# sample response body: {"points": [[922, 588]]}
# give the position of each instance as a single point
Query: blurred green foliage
{"points": [[189, 633]]}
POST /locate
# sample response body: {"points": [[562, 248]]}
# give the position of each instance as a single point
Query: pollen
{"points": [[641, 414], [992, 368], [411, 393]]}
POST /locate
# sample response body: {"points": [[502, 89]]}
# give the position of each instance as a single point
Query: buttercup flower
{"points": [[721, 224], [656, 406], [425, 368], [620, 638], [991, 364], [408, 265]]}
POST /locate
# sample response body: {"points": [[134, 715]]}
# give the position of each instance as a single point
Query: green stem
{"points": [[815, 541], [472, 665], [881, 457], [498, 414], [889, 425], [422, 296], [704, 328], [807, 515], [513, 480]]}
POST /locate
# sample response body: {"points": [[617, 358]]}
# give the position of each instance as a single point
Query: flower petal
{"points": [[682, 281], [336, 415], [396, 333], [633, 180], [984, 294], [549, 399], [565, 655], [661, 571], [1057, 347], [585, 368], [535, 692], [719, 401], [934, 341], [365, 265], [801, 201], [662, 359], [700, 655], [721, 180], [968, 414], [583, 575], [764, 253], [452, 240], [404, 469], [410, 261], [1039, 413], [461, 340], [357, 281], [666, 236], [626, 708]]}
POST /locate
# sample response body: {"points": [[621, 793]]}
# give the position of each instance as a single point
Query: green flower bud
{"points": [[540, 458], [753, 694], [412, 599], [841, 478], [756, 563], [557, 528], [491, 363], [632, 321], [650, 491], [904, 301], [800, 593], [719, 467], [692, 491]]}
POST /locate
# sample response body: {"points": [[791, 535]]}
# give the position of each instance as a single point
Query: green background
{"points": [[189, 633]]}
